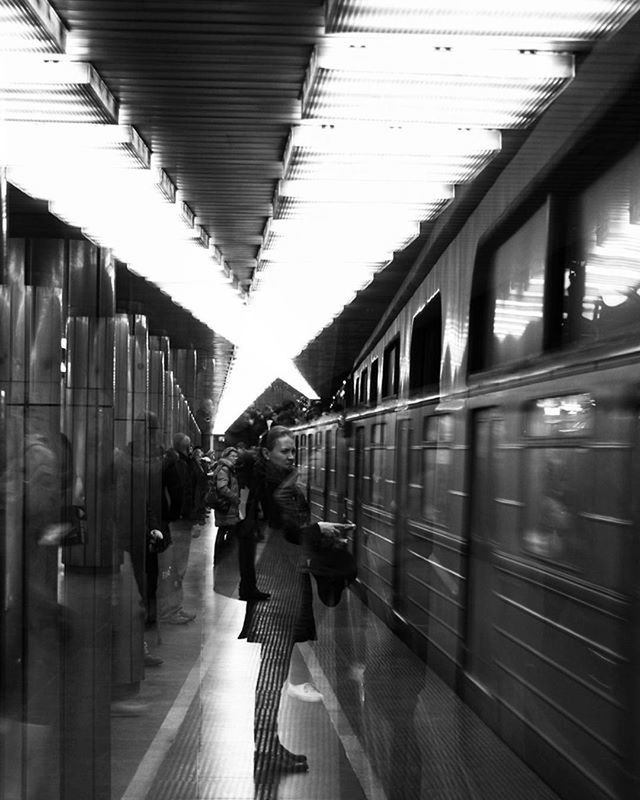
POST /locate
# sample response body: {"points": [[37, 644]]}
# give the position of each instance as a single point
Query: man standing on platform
{"points": [[178, 499]]}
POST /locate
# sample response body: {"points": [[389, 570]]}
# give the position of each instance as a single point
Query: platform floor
{"points": [[388, 728]]}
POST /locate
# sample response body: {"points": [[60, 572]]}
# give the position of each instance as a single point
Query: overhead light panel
{"points": [[26, 143], [389, 82], [567, 22], [53, 89], [31, 26]]}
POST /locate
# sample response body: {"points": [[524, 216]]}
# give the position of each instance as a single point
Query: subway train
{"points": [[487, 448]]}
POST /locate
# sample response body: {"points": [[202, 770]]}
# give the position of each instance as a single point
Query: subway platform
{"points": [[387, 728]]}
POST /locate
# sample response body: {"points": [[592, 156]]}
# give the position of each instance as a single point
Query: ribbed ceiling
{"points": [[213, 88]]}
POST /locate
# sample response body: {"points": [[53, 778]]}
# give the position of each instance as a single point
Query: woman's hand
{"points": [[336, 532]]}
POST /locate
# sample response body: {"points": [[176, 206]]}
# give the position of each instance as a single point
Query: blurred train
{"points": [[488, 448]]}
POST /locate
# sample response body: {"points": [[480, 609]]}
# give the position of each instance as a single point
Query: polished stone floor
{"points": [[387, 727]]}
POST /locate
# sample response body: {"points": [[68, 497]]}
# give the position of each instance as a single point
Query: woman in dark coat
{"points": [[288, 617], [227, 490]]}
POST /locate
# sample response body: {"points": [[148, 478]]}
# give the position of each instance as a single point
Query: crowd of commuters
{"points": [[253, 423], [179, 480], [253, 490]]}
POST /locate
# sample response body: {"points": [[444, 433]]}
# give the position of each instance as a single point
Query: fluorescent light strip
{"points": [[31, 26], [472, 103], [25, 143], [307, 165], [347, 192], [402, 57], [569, 21], [335, 137], [41, 89]]}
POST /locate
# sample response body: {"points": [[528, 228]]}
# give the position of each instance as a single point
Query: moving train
{"points": [[488, 447]]}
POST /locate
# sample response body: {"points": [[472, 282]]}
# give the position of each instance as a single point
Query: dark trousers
{"points": [[247, 560]]}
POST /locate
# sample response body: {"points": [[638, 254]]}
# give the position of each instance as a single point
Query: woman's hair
{"points": [[228, 450], [270, 437]]}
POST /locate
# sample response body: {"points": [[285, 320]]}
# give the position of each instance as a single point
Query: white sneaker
{"points": [[306, 692]]}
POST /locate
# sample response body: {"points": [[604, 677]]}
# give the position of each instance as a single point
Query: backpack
{"points": [[214, 500]]}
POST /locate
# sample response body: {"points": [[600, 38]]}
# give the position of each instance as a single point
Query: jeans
{"points": [[172, 566]]}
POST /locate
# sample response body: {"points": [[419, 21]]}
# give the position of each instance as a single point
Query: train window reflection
{"points": [[517, 278], [373, 389], [602, 284], [553, 526], [426, 348], [364, 384], [436, 467], [391, 368], [569, 415]]}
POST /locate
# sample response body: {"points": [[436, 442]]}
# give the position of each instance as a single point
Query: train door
{"points": [[403, 453], [480, 640]]}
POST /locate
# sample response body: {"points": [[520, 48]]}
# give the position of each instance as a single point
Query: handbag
{"points": [[333, 567]]}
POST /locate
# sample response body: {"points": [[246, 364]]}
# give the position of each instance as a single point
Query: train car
{"points": [[488, 452]]}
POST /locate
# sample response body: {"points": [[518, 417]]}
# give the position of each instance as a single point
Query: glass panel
{"points": [[390, 369], [551, 523], [609, 233], [571, 415], [436, 466], [377, 463], [518, 273], [373, 391], [364, 383]]}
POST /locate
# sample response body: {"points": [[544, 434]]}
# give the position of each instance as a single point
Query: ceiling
{"points": [[213, 89]]}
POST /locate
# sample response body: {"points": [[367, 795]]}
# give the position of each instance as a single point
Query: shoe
{"points": [[149, 660], [128, 708], [306, 692], [188, 615], [282, 752], [255, 595], [278, 762]]}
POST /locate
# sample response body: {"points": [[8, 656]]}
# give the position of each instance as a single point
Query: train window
{"points": [[330, 464], [376, 463], [356, 393], [602, 281], [555, 490], [364, 385], [507, 310], [436, 466], [301, 456], [349, 394], [391, 368], [569, 415], [317, 456], [373, 383], [552, 495], [426, 348]]}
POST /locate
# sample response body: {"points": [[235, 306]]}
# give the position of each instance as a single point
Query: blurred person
{"points": [[287, 414], [259, 426], [178, 510], [239, 431], [43, 506], [268, 415], [227, 491], [201, 489]]}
